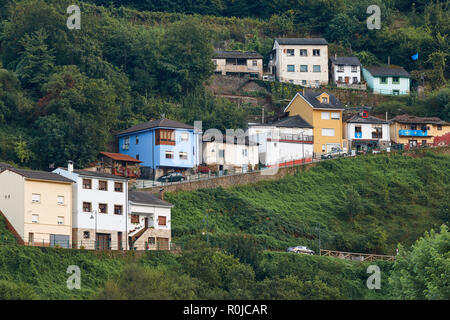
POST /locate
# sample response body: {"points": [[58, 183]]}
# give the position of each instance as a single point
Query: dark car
{"points": [[172, 177]]}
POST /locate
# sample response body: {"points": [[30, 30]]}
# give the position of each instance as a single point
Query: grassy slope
{"points": [[394, 198]]}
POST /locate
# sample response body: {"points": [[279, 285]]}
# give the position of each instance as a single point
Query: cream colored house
{"points": [[37, 206], [239, 63], [302, 61]]}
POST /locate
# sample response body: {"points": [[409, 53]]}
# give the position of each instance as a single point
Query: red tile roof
{"points": [[119, 157]]}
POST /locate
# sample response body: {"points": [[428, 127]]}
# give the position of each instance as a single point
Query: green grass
{"points": [[365, 204]]}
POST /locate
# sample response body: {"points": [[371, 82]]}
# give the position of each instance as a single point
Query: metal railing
{"points": [[356, 256]]}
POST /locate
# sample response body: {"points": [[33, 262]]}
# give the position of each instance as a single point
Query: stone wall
{"points": [[230, 181]]}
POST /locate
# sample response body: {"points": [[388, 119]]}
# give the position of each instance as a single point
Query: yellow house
{"points": [[413, 131], [324, 112], [37, 206]]}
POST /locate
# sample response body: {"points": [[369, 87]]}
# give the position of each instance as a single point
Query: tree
{"points": [[422, 272]]}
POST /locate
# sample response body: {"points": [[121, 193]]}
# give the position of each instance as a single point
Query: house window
{"points": [[303, 52], [60, 200], [134, 218], [303, 68], [103, 185], [324, 100], [340, 79], [378, 133], [304, 82], [169, 154], [340, 68], [325, 116], [161, 220], [316, 52], [323, 148], [290, 52], [184, 136], [395, 80], [221, 153], [395, 92], [137, 157], [117, 209], [383, 80], [35, 218], [137, 139], [118, 186], [102, 208], [60, 220], [439, 127], [358, 129], [290, 68], [35, 198], [316, 68], [87, 184], [86, 234], [354, 68], [328, 132], [87, 206], [254, 63], [165, 136], [183, 155], [126, 143], [355, 80], [245, 152], [335, 115], [151, 241]]}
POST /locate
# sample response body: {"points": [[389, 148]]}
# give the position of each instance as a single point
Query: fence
{"points": [[355, 256]]}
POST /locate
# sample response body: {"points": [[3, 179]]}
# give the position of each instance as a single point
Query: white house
{"points": [[284, 142], [366, 132], [100, 208], [345, 70], [238, 154], [302, 61], [149, 224]]}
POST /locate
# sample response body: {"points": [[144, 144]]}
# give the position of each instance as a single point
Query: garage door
{"points": [[60, 240]]}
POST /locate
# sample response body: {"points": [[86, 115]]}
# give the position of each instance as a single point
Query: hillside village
{"points": [[182, 148]]}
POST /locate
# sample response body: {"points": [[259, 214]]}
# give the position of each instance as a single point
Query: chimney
{"points": [[335, 56], [161, 193], [70, 166]]}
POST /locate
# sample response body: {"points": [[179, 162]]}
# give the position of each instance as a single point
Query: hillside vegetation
{"points": [[365, 204]]}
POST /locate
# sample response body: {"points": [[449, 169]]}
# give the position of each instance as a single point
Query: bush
{"points": [[16, 291]]}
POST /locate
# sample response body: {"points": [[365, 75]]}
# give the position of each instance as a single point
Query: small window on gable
{"points": [[324, 99]]}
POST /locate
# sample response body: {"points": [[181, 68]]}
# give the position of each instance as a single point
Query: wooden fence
{"points": [[355, 256]]}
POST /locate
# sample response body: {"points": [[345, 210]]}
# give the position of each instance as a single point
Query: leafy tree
{"points": [[422, 272]]}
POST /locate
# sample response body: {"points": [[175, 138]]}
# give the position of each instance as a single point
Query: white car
{"points": [[300, 249]]}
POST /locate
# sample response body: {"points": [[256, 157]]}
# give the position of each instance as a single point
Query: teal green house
{"points": [[391, 80]]}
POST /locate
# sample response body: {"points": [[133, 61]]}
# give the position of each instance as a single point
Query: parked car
{"points": [[172, 177], [300, 249], [334, 153], [203, 169]]}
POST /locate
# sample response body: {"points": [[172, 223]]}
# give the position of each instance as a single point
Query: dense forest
{"points": [[64, 93]]}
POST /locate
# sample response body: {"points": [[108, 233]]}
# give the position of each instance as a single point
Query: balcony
{"points": [[413, 133]]}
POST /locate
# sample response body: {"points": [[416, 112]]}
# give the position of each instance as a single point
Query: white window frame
{"points": [[60, 220], [325, 116], [61, 203], [335, 116], [183, 155], [290, 65], [314, 67], [303, 65], [35, 218], [326, 132], [184, 136], [168, 152], [36, 198], [305, 51], [289, 54]]}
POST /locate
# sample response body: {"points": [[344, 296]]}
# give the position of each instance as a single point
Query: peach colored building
{"points": [[37, 206], [239, 63]]}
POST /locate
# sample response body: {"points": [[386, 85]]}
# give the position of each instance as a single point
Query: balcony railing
{"points": [[413, 133], [292, 137]]}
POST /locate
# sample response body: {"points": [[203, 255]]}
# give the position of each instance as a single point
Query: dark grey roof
{"points": [[393, 71], [292, 122], [301, 41], [237, 54], [406, 118], [370, 119], [4, 166], [311, 97], [161, 123], [40, 175], [96, 174], [347, 61], [147, 198]]}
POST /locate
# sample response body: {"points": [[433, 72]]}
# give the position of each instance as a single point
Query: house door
{"points": [[347, 80], [119, 241], [163, 243], [31, 238], [146, 223], [103, 241], [412, 143]]}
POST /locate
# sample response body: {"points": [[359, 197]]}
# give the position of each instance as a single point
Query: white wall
{"points": [[151, 212], [347, 73], [12, 200], [366, 130], [233, 154]]}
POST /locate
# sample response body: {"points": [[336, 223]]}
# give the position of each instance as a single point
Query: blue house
{"points": [[392, 80], [163, 145]]}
